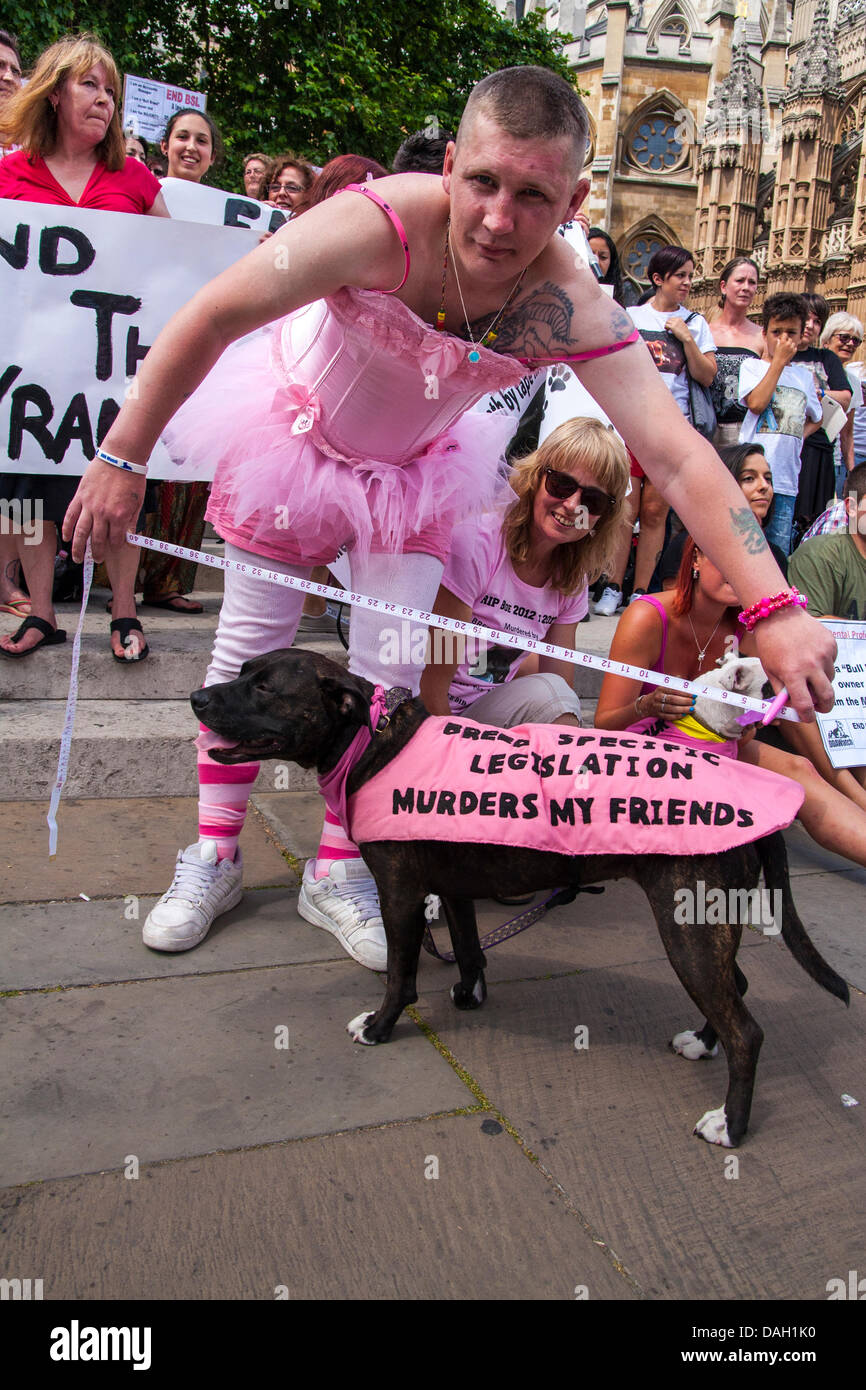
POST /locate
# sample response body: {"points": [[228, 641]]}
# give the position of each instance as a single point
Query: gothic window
{"points": [[654, 146], [678, 28], [638, 253], [676, 19]]}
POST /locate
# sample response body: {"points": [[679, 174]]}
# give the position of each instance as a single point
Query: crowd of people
{"points": [[447, 275]]}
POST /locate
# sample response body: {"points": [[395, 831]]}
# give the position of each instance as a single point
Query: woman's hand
{"points": [[663, 704], [678, 327], [104, 508]]}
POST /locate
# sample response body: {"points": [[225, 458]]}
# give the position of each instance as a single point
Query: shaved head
{"points": [[530, 103]]}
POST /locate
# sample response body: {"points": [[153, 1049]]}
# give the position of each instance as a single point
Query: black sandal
{"points": [[125, 626], [51, 637]]}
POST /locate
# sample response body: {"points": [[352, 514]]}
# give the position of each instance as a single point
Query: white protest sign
{"points": [[147, 105], [83, 295], [195, 202], [844, 728]]}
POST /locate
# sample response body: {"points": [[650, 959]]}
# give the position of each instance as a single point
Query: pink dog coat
{"points": [[540, 786]]}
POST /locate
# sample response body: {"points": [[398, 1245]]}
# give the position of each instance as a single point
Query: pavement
{"points": [[199, 1126]]}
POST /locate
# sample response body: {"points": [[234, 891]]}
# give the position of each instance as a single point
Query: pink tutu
{"points": [[344, 425]]}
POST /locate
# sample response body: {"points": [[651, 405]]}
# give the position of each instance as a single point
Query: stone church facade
{"points": [[733, 127]]}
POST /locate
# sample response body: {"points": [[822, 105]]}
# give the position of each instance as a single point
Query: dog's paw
{"points": [[470, 998], [356, 1027], [714, 1128], [689, 1045]]}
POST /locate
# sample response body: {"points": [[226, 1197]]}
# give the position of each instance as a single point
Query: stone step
{"points": [[180, 649], [120, 748]]}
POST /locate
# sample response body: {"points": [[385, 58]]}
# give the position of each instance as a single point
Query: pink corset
{"points": [[376, 382]]}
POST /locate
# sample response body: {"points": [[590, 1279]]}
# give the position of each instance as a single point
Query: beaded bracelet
{"points": [[765, 606], [121, 463]]}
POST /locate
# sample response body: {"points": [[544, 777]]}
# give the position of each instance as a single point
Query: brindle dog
{"points": [[305, 708]]}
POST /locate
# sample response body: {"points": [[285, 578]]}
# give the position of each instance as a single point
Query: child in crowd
{"points": [[782, 407]]}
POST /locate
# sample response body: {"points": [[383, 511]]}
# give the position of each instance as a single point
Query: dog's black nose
{"points": [[199, 700]]}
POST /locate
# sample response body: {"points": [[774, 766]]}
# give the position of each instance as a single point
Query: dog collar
{"points": [[384, 703]]}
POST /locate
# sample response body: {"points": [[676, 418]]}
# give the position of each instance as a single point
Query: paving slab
{"points": [[612, 1123], [46, 945], [348, 1216], [172, 1068], [110, 847]]}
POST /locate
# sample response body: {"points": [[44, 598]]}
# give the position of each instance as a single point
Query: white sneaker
{"points": [[346, 904], [609, 602], [201, 890]]}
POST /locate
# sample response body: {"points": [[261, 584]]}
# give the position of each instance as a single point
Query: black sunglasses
{"points": [[562, 485]]}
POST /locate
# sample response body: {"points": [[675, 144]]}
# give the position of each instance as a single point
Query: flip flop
{"points": [[171, 603], [18, 607], [125, 626], [50, 637]]}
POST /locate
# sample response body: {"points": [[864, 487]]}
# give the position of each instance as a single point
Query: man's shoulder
{"points": [[833, 548]]}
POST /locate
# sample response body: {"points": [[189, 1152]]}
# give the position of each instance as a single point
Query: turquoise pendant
{"points": [[474, 356]]}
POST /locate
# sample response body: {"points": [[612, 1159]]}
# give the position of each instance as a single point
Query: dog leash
{"points": [[395, 611], [558, 898], [71, 705]]}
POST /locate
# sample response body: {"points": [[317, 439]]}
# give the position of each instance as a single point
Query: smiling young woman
{"points": [[191, 144]]}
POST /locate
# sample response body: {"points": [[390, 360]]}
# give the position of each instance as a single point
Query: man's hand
{"points": [[786, 350], [798, 652], [103, 509]]}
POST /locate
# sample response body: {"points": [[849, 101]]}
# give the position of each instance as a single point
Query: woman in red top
{"points": [[72, 153]]}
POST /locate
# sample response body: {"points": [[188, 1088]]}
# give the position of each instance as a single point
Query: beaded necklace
{"points": [[488, 337]]}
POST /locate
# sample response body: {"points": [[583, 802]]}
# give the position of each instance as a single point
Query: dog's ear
{"points": [[345, 701]]}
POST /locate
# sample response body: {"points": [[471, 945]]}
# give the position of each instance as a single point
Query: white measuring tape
{"points": [[392, 610], [486, 634]]}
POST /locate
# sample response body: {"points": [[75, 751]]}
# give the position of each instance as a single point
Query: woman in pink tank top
{"points": [[684, 632]]}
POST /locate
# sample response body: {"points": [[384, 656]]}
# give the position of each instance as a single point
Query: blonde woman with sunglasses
{"points": [[525, 570]]}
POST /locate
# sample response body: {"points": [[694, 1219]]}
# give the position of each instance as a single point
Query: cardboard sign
{"points": [[582, 792], [843, 730], [147, 105], [194, 202], [83, 295]]}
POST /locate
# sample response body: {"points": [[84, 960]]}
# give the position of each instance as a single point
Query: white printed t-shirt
{"points": [[480, 574], [779, 428], [668, 353]]}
